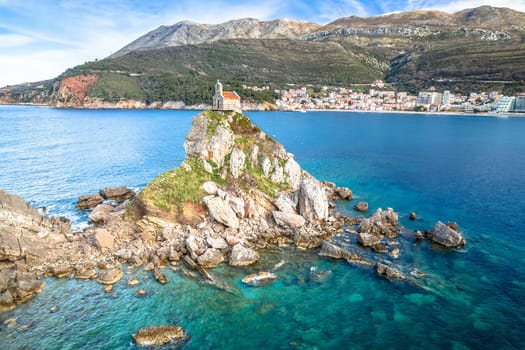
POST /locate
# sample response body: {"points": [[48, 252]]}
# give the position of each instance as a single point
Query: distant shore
{"points": [[203, 107]]}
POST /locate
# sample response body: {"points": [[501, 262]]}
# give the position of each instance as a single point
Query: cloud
{"points": [[12, 40]]}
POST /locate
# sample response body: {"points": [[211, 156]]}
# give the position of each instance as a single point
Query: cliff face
{"points": [[72, 91], [26, 239]]}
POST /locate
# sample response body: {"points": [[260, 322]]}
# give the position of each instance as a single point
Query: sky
{"points": [[39, 39]]}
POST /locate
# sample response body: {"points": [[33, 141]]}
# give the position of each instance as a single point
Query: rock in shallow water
{"points": [[242, 256], [259, 279], [89, 201], [159, 335], [446, 236], [118, 194], [361, 206]]}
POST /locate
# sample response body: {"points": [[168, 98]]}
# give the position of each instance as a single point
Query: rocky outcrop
{"points": [[159, 335], [333, 251], [242, 256], [361, 206], [382, 223], [89, 201], [118, 194], [313, 202], [26, 240], [446, 236], [221, 212], [368, 239], [73, 90]]}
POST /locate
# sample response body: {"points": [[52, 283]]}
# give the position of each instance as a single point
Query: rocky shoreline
{"points": [[237, 192]]}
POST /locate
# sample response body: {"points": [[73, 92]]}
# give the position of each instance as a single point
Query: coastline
{"points": [[202, 107]]}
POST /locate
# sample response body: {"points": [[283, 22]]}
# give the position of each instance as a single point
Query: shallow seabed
{"points": [[463, 169]]}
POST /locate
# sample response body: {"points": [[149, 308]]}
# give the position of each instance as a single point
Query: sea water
{"points": [[450, 168]]}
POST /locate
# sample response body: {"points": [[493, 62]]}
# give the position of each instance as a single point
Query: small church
{"points": [[226, 100]]}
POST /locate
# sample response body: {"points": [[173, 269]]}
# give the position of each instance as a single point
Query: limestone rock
{"points": [[343, 193], [210, 187], [217, 243], [382, 223], [292, 174], [361, 206], [242, 256], [446, 236], [211, 258], [288, 219], [259, 279], [313, 202], [109, 276], [196, 246], [266, 166], [100, 214], [221, 212], [285, 204], [104, 240], [389, 272], [89, 201], [237, 159], [412, 216], [367, 239], [159, 335], [118, 194], [237, 204]]}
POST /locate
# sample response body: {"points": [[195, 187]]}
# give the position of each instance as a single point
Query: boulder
{"points": [[361, 206], [285, 204], [100, 214], [195, 246], [159, 335], [211, 258], [313, 202], [217, 243], [104, 240], [389, 272], [89, 201], [109, 276], [288, 219], [367, 239], [412, 216], [344, 193], [446, 236], [453, 225], [221, 212], [242, 256], [259, 279], [119, 194], [210, 187]]}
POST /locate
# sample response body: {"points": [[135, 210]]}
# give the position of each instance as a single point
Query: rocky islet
{"points": [[238, 208]]}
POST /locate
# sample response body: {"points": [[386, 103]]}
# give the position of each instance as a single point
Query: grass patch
{"points": [[177, 186]]}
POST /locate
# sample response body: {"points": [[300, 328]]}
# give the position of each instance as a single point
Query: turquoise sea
{"points": [[451, 168]]}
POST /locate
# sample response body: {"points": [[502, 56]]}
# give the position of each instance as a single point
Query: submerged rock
{"points": [[389, 272], [446, 236], [159, 335], [259, 279], [109, 276]]}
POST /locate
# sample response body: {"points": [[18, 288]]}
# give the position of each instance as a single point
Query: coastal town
{"points": [[380, 97]]}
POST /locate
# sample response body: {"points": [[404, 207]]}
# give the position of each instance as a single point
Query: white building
{"points": [[226, 100]]}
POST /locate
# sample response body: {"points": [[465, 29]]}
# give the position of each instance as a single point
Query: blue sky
{"points": [[39, 39]]}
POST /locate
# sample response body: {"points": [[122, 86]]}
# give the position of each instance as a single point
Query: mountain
{"points": [[190, 33], [474, 49]]}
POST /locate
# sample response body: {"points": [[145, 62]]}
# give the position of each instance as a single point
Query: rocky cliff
{"points": [[26, 239]]}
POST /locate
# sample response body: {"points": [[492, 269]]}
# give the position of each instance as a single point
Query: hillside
{"points": [[474, 49]]}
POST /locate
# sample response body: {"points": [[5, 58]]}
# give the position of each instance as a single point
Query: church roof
{"points": [[230, 95]]}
